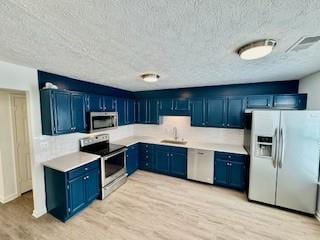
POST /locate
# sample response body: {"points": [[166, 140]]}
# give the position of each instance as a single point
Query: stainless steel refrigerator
{"points": [[284, 158]]}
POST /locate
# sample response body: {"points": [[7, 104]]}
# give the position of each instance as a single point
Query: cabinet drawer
{"points": [[179, 150], [83, 169], [133, 147], [145, 146], [233, 157]]}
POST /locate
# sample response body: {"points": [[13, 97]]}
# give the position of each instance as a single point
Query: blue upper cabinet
{"points": [[259, 101], [235, 112], [121, 109], [215, 112], [290, 101], [62, 112], [78, 109], [197, 112], [130, 111], [147, 111], [166, 106], [109, 104], [95, 103]]}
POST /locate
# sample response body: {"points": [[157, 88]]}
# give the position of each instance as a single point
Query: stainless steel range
{"points": [[113, 161]]}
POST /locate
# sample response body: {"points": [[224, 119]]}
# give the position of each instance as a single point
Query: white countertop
{"points": [[71, 161], [190, 144]]}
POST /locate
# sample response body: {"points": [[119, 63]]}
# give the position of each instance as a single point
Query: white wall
{"points": [[183, 124], [311, 86]]}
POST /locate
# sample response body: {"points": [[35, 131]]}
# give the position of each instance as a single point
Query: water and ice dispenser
{"points": [[264, 146]]}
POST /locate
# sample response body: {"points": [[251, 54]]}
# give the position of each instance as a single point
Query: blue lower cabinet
{"points": [[230, 170], [67, 193], [178, 164], [132, 159], [146, 157], [162, 160]]}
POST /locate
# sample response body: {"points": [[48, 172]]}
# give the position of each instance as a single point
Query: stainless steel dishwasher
{"points": [[200, 165]]}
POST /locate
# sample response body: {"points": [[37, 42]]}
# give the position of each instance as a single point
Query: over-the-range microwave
{"points": [[100, 121]]}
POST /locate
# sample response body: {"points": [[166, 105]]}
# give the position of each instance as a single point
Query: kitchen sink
{"points": [[174, 141]]}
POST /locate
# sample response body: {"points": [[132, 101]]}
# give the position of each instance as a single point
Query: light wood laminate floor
{"points": [[151, 206]]}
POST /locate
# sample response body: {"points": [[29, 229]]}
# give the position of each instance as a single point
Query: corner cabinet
{"points": [[132, 159], [62, 112], [67, 193], [230, 170]]}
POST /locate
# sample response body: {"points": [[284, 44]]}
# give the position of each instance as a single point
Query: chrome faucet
{"points": [[175, 133]]}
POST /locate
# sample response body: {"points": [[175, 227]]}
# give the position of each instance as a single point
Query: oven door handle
{"points": [[114, 154]]}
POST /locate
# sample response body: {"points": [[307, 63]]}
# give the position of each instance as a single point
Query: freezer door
{"points": [[263, 170], [298, 166]]}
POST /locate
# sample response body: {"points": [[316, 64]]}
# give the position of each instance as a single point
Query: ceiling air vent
{"points": [[304, 43]]}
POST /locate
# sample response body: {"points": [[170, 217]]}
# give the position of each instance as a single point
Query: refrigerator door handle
{"points": [[281, 150], [275, 155]]}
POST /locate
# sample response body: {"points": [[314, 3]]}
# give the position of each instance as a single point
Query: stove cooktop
{"points": [[103, 148]]}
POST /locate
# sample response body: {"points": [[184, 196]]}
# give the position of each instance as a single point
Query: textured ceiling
{"points": [[187, 42]]}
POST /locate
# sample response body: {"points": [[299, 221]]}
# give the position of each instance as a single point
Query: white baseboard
{"points": [[9, 198], [37, 214], [318, 215]]}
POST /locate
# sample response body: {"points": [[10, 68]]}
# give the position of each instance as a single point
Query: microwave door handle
{"points": [[275, 150]]}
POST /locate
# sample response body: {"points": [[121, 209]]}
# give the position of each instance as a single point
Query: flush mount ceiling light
{"points": [[150, 77], [257, 49]]}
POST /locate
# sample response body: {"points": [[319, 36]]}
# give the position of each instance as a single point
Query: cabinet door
{"points": [[132, 159], [78, 112], [63, 113], [92, 185], [235, 113], [77, 195], [121, 109], [178, 162], [153, 111], [197, 113], [215, 112], [95, 103], [130, 113], [290, 101], [142, 111], [237, 175], [259, 101], [162, 161], [182, 105], [166, 106], [221, 172], [109, 104]]}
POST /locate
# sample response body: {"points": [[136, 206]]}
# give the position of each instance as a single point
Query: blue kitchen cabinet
{"points": [[259, 101], [147, 111], [290, 101], [95, 103], [197, 113], [146, 158], [182, 105], [235, 112], [130, 111], [170, 161], [67, 193], [132, 159], [215, 112], [230, 170], [109, 104], [166, 106], [62, 112], [78, 109], [121, 109], [162, 159], [178, 162]]}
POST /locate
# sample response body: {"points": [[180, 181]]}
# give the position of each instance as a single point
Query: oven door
{"points": [[114, 166], [103, 120]]}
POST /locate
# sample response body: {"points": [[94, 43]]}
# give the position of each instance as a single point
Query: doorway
{"points": [[21, 143]]}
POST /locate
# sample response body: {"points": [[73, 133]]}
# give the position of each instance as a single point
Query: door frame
{"points": [[13, 96]]}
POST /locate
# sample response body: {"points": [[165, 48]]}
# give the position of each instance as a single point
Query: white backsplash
{"points": [[49, 147], [183, 125]]}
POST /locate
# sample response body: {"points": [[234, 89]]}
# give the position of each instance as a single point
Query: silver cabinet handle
{"points": [[280, 162], [275, 152], [86, 169]]}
